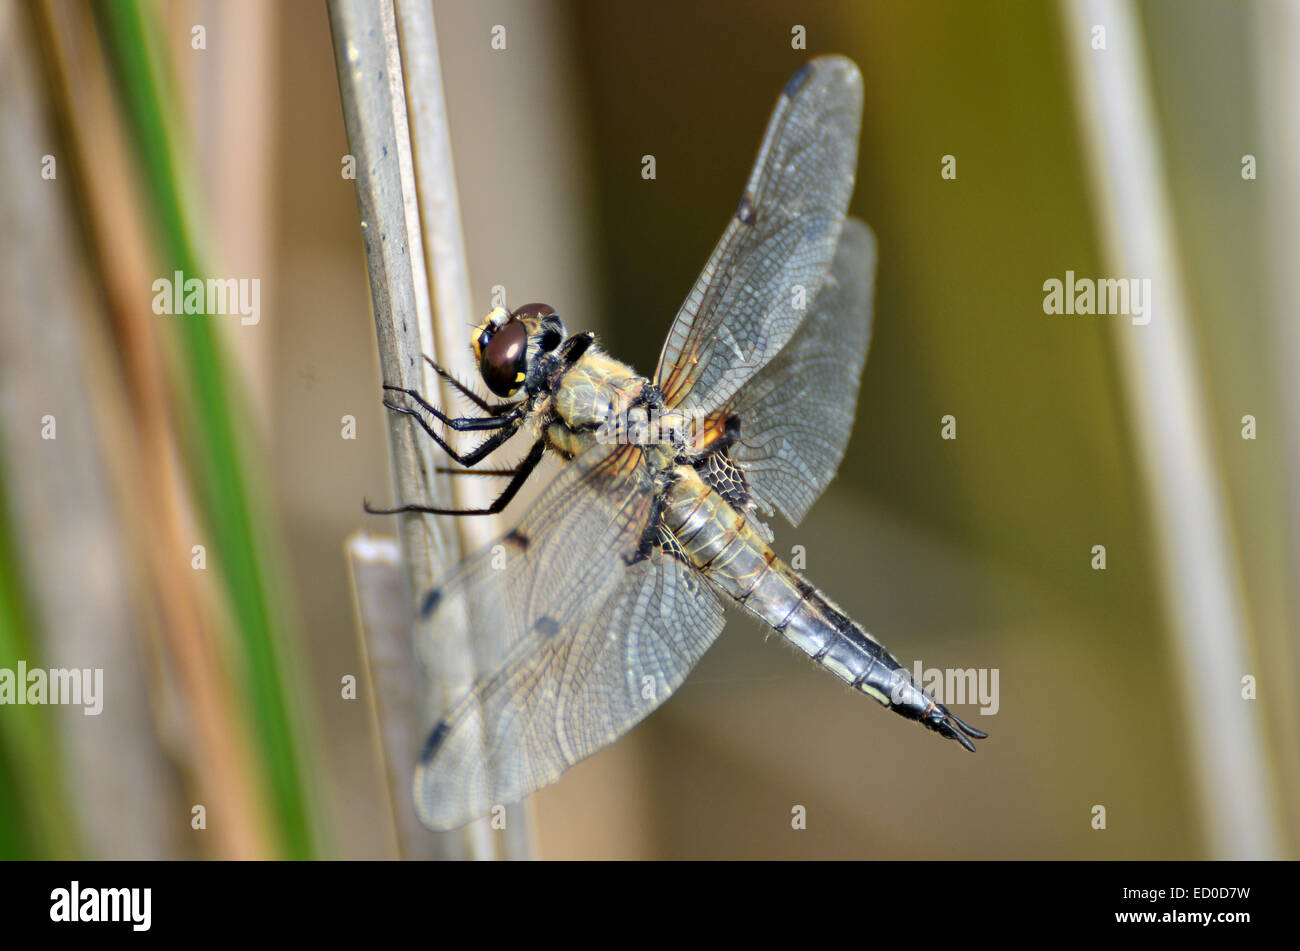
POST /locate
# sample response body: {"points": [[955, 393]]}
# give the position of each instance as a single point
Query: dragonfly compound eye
{"points": [[505, 359]]}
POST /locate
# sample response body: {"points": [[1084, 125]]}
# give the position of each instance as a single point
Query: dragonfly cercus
{"points": [[612, 584]]}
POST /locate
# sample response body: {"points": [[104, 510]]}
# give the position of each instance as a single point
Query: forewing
{"points": [[796, 414], [746, 304], [581, 623]]}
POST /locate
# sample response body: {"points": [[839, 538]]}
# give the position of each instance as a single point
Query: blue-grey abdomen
{"points": [[737, 560]]}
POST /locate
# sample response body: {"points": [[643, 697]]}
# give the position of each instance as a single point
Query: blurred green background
{"points": [[974, 552]]}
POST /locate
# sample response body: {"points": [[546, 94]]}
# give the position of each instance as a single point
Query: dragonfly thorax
{"points": [[599, 393]]}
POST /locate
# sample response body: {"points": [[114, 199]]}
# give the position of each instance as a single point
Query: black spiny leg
{"points": [[492, 410], [462, 424], [476, 472], [576, 346], [507, 426], [520, 476]]}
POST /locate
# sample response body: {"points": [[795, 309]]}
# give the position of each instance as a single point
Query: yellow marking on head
{"points": [[495, 318], [519, 378]]}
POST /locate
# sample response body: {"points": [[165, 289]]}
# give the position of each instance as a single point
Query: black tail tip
{"points": [[964, 732]]}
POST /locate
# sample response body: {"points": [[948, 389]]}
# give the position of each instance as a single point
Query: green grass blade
{"points": [[34, 820], [215, 422]]}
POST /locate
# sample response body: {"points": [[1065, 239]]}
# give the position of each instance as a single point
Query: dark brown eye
{"points": [[543, 316], [505, 359], [537, 311]]}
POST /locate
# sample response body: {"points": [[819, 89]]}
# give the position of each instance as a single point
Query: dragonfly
{"points": [[612, 585]]}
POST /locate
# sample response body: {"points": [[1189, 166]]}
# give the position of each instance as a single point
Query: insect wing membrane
{"points": [[797, 412], [576, 640], [583, 624], [773, 256]]}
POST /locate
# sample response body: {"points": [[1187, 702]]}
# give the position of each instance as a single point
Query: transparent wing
{"points": [[565, 554], [797, 412], [590, 639], [746, 304]]}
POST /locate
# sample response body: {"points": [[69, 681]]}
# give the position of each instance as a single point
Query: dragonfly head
{"points": [[508, 345]]}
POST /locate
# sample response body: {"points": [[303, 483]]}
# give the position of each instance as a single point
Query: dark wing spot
{"points": [[745, 210], [430, 602], [516, 537], [795, 82], [731, 429], [546, 626], [433, 742]]}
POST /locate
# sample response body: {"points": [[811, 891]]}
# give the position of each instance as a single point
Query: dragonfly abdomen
{"points": [[740, 563]]}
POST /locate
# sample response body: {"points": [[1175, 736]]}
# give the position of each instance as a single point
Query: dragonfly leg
{"points": [[507, 427], [476, 472], [576, 346], [459, 423], [520, 476], [497, 409]]}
